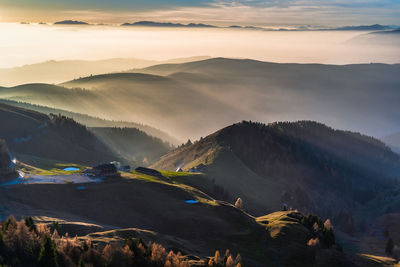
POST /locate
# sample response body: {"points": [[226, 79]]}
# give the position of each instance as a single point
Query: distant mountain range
{"points": [[147, 23], [71, 22], [168, 24], [192, 93], [60, 71], [375, 27]]}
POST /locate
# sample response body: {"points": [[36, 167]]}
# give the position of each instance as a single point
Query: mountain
{"points": [[132, 144], [294, 91], [146, 209], [168, 24], [165, 208], [147, 98], [70, 22], [228, 90], [91, 122], [52, 137], [393, 140], [143, 208], [305, 165], [60, 71], [375, 27], [386, 37]]}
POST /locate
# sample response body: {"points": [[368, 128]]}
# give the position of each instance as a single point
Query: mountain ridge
{"points": [[194, 92], [286, 157], [91, 122], [53, 71], [28, 132]]}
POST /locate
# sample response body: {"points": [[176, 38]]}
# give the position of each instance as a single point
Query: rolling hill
{"points": [[229, 90], [155, 209], [59, 71], [305, 165], [52, 137], [90, 121], [278, 92]]}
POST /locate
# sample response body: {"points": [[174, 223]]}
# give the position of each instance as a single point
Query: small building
{"points": [[122, 168], [148, 171], [105, 170], [117, 164]]}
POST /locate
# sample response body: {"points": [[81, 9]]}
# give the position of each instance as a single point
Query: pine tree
{"points": [[48, 253], [389, 247]]}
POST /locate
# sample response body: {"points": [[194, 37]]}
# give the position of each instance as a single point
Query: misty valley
{"points": [[279, 147]]}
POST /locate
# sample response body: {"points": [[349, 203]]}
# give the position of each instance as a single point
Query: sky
{"points": [[220, 12]]}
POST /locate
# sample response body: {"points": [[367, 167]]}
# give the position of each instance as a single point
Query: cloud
{"points": [[260, 12], [287, 12]]}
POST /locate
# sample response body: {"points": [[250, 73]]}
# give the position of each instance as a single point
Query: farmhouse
{"points": [[105, 170]]}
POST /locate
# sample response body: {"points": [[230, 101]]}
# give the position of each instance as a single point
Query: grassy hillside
{"points": [[145, 203], [138, 207], [57, 137]]}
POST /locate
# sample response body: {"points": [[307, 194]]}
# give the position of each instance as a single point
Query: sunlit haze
{"points": [[26, 44], [199, 133]]}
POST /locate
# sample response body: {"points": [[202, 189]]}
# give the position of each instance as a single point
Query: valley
{"points": [[229, 90], [215, 133], [289, 193]]}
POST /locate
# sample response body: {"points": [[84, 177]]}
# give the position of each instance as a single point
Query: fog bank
{"points": [[22, 44]]}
